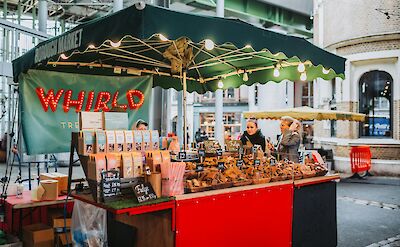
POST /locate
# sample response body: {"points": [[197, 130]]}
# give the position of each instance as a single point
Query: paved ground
{"points": [[368, 210]]}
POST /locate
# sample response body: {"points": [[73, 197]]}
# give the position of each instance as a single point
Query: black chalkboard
{"points": [[219, 152], [221, 166], [256, 162], [199, 167], [144, 192], [202, 152], [182, 155], [239, 163], [110, 184]]}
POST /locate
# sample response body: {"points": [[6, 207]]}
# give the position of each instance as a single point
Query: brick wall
{"points": [[382, 45], [344, 19]]}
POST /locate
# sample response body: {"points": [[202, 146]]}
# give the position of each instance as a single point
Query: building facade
{"points": [[367, 34]]}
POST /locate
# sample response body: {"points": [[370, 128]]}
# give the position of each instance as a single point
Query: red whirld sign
{"points": [[135, 99], [360, 158]]}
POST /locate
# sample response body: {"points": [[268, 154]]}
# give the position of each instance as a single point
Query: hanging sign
{"points": [[50, 102]]}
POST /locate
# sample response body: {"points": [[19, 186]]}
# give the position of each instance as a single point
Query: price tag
{"points": [[144, 192], [221, 166], [239, 163], [182, 155], [272, 162], [202, 153], [199, 168], [254, 149], [219, 152], [256, 162], [241, 151], [110, 184]]}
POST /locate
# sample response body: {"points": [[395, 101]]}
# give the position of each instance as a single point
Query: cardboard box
{"points": [[62, 239], [146, 140], [110, 136], [138, 140], [127, 165], [38, 235], [137, 161], [96, 164], [101, 141], [128, 141], [90, 120], [154, 160], [86, 142], [55, 218], [119, 141], [115, 120], [61, 178], [155, 140], [50, 190]]}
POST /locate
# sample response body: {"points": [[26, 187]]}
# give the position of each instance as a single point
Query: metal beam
{"points": [[270, 14]]}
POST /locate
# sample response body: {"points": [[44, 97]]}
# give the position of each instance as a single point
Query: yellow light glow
{"points": [[276, 72], [209, 44], [91, 46], [63, 56], [115, 44], [301, 68], [248, 46], [162, 37], [245, 76], [220, 84], [303, 76], [325, 71]]}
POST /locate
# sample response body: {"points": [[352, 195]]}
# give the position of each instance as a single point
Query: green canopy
{"points": [[166, 43]]}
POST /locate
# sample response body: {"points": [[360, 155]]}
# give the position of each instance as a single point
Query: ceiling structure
{"points": [[280, 16]]}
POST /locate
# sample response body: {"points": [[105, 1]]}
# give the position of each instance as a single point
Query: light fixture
{"points": [[63, 56], [247, 46], [91, 46], [220, 84], [245, 76], [303, 76], [115, 44], [301, 68], [276, 72], [325, 71], [162, 37], [209, 44]]}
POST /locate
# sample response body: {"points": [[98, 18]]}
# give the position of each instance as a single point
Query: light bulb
{"points": [[247, 46], [209, 44], [115, 44], [303, 76], [276, 72], [91, 46], [63, 56], [301, 68], [162, 37], [325, 71], [220, 84], [245, 76]]}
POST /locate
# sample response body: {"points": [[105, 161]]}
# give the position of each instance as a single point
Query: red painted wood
{"points": [[259, 217]]}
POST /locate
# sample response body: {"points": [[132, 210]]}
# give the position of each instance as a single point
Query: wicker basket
{"points": [[196, 189], [222, 186], [243, 182], [279, 178], [261, 180]]}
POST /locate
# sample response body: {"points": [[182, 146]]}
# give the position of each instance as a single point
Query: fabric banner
{"points": [[50, 102]]}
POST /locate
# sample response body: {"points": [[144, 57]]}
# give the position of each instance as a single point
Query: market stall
{"points": [[192, 53]]}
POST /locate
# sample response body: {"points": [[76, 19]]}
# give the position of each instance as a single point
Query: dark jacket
{"points": [[257, 139], [288, 146]]}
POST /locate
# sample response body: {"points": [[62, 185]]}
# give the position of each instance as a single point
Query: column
{"points": [[43, 16], [118, 5], [219, 102], [179, 124]]}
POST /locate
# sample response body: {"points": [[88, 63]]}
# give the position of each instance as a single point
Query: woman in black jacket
{"points": [[253, 136]]}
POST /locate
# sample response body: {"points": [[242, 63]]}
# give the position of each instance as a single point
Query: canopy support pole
{"points": [[184, 111]]}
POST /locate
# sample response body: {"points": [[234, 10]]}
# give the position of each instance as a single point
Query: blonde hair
{"points": [[288, 119]]}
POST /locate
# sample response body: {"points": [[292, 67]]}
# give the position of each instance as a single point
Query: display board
{"points": [[50, 102]]}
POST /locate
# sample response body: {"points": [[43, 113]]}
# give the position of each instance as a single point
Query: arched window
{"points": [[376, 103]]}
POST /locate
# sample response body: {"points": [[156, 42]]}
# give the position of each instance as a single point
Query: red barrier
{"points": [[360, 158], [257, 217]]}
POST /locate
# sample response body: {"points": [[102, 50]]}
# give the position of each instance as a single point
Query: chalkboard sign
{"points": [[110, 184], [239, 163], [254, 149], [199, 167], [219, 152], [256, 162], [182, 155], [202, 153], [272, 162], [144, 192], [221, 166]]}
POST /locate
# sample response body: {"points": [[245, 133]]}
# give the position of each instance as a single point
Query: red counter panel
{"points": [[258, 217]]}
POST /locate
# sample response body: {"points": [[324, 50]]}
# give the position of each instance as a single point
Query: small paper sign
{"points": [[110, 184], [219, 152], [182, 155], [221, 166], [256, 162], [144, 192], [239, 163], [254, 149], [199, 167]]}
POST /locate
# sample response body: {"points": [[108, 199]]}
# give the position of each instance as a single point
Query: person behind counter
{"points": [[289, 141], [141, 125], [253, 136]]}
